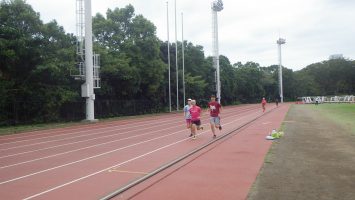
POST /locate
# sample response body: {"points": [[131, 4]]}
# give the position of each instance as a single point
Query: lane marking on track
{"points": [[117, 165], [88, 158], [88, 147], [96, 133], [143, 122], [54, 155], [115, 123], [122, 133]]}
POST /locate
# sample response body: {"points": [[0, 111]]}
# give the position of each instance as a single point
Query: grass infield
{"points": [[341, 114]]}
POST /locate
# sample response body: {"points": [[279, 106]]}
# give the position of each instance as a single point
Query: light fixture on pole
{"points": [[167, 19], [217, 6], [280, 41]]}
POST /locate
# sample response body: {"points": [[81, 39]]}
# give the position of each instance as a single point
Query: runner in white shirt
{"points": [[187, 115]]}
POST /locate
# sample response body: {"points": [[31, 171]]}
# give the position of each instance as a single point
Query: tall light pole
{"points": [[217, 6], [183, 56], [167, 19], [88, 87], [176, 63], [280, 41]]}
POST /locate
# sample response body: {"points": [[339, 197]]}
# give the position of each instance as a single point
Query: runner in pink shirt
{"points": [[263, 103], [195, 112]]}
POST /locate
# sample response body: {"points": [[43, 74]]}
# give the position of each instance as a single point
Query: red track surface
{"points": [[90, 161]]}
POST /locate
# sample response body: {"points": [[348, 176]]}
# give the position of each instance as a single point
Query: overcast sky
{"points": [[248, 29]]}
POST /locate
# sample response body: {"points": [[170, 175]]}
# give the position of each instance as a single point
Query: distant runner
{"points": [[188, 115], [195, 112], [263, 103], [214, 108], [277, 101]]}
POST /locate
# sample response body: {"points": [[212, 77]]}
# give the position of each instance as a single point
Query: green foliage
{"points": [[34, 65], [249, 79], [132, 53]]}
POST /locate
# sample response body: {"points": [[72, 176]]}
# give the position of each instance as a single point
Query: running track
{"points": [[89, 161]]}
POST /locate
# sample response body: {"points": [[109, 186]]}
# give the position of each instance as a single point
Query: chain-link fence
{"points": [[17, 112]]}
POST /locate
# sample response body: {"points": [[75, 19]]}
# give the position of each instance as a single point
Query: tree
{"points": [[35, 62], [131, 41]]}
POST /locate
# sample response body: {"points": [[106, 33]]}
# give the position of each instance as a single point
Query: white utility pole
{"points": [[176, 63], [167, 19], [88, 86], [183, 56], [280, 41], [217, 6]]}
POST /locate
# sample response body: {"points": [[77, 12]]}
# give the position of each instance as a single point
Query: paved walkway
{"points": [[225, 171]]}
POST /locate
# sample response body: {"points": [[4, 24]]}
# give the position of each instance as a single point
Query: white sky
{"points": [[248, 29]]}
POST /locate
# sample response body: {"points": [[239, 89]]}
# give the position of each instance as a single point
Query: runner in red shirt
{"points": [[195, 112], [215, 108], [263, 104]]}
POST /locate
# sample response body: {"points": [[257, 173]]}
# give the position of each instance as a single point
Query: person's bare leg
{"points": [[213, 129], [193, 130]]}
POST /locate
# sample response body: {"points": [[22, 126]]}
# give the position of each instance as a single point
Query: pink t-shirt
{"points": [[195, 112], [263, 102]]}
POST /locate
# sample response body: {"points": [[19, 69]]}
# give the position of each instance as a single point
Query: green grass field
{"points": [[23, 128], [342, 114]]}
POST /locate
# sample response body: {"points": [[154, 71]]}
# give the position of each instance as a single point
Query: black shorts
{"points": [[198, 122]]}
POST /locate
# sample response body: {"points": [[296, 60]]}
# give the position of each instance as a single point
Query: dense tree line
{"points": [[37, 59]]}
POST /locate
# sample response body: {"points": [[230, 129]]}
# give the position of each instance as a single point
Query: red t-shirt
{"points": [[263, 102], [214, 108], [195, 112]]}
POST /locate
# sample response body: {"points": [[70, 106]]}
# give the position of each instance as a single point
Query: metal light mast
{"points": [[89, 66], [280, 41], [176, 63], [217, 6], [183, 56], [167, 18], [88, 62]]}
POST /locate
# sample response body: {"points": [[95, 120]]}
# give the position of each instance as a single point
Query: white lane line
{"points": [[76, 142], [98, 127], [75, 150], [142, 123], [81, 126], [88, 147], [103, 170], [115, 166], [66, 144], [79, 136], [74, 138], [88, 158]]}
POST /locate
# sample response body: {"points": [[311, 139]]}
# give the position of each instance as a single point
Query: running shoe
{"points": [[220, 127], [194, 137], [214, 136], [190, 135]]}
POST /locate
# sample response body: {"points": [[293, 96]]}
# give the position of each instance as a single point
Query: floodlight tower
{"points": [[279, 42], [217, 6], [88, 63]]}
